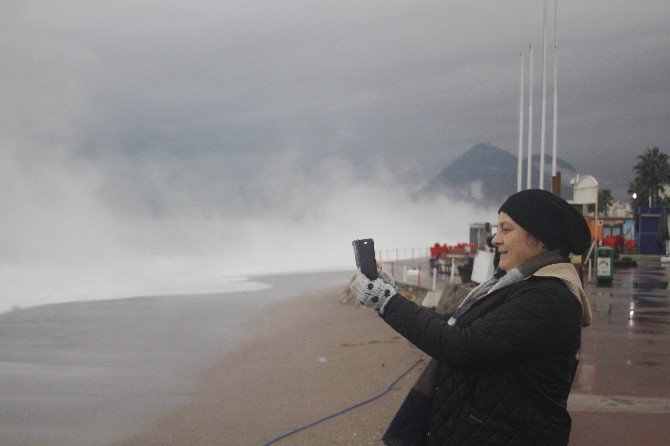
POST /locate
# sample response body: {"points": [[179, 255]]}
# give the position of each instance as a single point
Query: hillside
{"points": [[487, 174]]}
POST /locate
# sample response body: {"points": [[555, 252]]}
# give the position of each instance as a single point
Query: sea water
{"points": [[94, 372]]}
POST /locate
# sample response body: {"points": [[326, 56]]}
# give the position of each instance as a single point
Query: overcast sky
{"points": [[119, 117]]}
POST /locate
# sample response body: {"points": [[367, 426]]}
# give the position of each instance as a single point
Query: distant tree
{"points": [[652, 172], [605, 200]]}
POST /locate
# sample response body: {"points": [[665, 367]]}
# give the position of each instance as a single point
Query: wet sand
{"points": [[307, 358], [92, 373]]}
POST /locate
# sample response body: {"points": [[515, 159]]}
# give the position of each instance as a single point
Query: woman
{"points": [[503, 363]]}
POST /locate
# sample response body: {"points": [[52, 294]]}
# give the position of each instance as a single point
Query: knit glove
{"points": [[376, 293]]}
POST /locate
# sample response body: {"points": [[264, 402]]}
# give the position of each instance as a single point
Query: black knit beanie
{"points": [[550, 219]]}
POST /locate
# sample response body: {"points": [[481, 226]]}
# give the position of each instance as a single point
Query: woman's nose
{"points": [[495, 241]]}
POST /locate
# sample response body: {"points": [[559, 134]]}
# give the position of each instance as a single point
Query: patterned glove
{"points": [[374, 294]]}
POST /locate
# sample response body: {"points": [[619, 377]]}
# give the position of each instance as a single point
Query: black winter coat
{"points": [[504, 371]]}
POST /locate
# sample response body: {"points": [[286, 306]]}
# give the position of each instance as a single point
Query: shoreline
{"points": [[230, 285], [304, 359], [94, 372]]}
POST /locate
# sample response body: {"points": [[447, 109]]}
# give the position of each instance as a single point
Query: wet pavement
{"points": [[621, 393]]}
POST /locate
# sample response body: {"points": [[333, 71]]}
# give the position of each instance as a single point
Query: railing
{"points": [[412, 254], [397, 254], [408, 273], [421, 274], [589, 263]]}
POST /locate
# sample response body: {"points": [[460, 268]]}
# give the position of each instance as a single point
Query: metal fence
{"points": [[426, 273]]}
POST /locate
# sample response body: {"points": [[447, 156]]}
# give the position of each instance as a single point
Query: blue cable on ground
{"points": [[347, 409]]}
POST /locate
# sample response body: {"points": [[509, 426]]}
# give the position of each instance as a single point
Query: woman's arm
{"points": [[533, 322]]}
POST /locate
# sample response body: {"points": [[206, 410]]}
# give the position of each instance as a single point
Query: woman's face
{"points": [[514, 243]]}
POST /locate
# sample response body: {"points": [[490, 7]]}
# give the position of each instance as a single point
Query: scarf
{"points": [[500, 279]]}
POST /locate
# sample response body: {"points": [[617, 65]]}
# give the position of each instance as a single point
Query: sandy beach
{"points": [[305, 359], [98, 372]]}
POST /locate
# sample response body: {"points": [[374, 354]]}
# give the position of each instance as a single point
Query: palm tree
{"points": [[653, 172], [605, 200]]}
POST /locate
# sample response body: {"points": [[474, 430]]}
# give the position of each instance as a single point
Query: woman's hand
{"points": [[376, 293]]}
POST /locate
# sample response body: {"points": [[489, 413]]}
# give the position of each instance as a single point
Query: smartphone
{"points": [[364, 251]]}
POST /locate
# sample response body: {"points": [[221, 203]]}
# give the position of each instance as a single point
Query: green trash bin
{"points": [[604, 263]]}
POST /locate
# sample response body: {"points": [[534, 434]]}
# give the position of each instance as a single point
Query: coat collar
{"points": [[567, 273]]}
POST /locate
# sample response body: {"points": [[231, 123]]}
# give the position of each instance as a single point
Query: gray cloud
{"points": [[141, 125], [375, 81]]}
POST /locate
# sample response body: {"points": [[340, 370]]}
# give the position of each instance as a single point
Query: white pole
{"points": [[543, 136], [519, 164], [596, 213], [555, 127], [529, 162]]}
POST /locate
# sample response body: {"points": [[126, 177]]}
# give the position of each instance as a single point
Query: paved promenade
{"points": [[621, 394]]}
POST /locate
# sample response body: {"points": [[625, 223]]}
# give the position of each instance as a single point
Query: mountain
{"points": [[487, 174]]}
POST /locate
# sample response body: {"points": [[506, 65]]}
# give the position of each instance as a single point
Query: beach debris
{"points": [[322, 359]]}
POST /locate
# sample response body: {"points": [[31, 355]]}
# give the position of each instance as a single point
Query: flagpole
{"points": [[529, 162], [519, 164], [555, 126], [543, 134]]}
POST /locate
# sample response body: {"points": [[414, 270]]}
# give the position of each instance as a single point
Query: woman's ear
{"points": [[535, 243]]}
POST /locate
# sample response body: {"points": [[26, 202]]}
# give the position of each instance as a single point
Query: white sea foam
{"points": [[37, 285], [62, 239]]}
